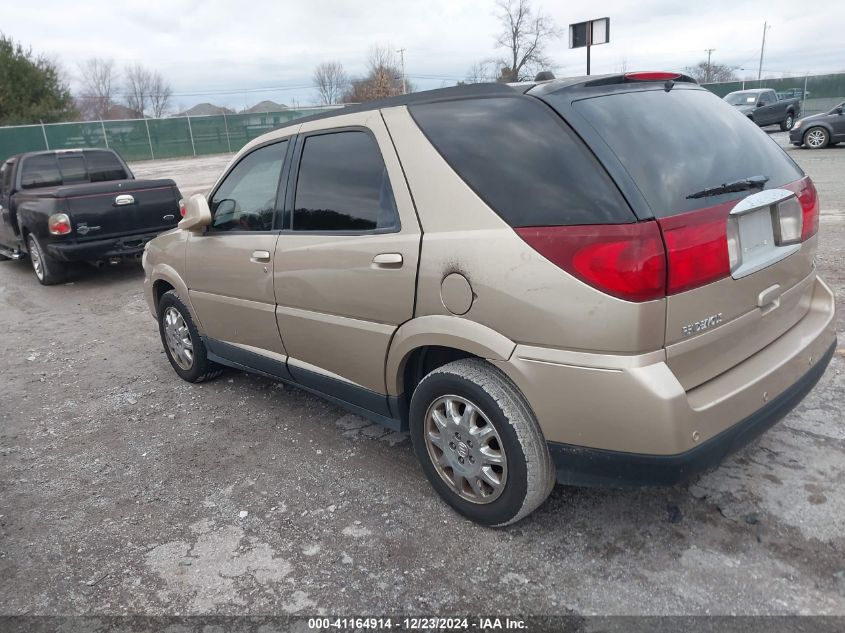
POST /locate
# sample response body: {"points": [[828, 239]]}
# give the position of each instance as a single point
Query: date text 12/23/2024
{"points": [[417, 623]]}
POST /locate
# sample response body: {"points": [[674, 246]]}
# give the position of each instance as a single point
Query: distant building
{"points": [[205, 109], [266, 106], [118, 111]]}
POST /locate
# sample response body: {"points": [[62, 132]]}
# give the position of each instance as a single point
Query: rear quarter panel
{"points": [[516, 291]]}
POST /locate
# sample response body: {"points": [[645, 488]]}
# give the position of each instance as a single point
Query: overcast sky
{"points": [[212, 46]]}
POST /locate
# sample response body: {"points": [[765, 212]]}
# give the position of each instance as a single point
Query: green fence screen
{"points": [[818, 93], [145, 139]]}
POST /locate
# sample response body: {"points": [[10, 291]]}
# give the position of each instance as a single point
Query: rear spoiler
{"points": [[641, 76]]}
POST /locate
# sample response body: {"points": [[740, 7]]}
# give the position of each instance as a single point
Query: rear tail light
{"points": [[809, 200], [653, 259], [624, 260], [788, 222], [696, 247], [182, 207], [59, 224]]}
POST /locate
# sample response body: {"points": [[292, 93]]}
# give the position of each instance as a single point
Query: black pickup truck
{"points": [[82, 205], [765, 107]]}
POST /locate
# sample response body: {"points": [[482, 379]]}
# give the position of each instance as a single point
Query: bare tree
{"points": [[705, 72], [138, 87], [383, 78], [481, 72], [331, 82], [99, 81], [524, 37], [160, 93]]}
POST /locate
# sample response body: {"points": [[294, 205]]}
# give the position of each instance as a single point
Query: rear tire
{"points": [[479, 444], [788, 122], [816, 138], [182, 342], [47, 270]]}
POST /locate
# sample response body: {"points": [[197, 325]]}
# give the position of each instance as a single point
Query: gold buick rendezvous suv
{"points": [[597, 281]]}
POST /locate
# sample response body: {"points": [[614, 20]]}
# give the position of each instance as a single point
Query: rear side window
{"points": [[343, 185], [523, 161], [676, 143], [40, 170], [104, 166]]}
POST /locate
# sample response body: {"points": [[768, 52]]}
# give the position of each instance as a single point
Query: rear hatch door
{"points": [[739, 275]]}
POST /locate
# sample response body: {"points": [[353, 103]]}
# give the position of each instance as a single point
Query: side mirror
{"points": [[837, 110], [760, 104], [197, 214]]}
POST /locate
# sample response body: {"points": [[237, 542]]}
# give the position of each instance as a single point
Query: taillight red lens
{"points": [[650, 75], [809, 199], [182, 207], [696, 247], [59, 224], [624, 260]]}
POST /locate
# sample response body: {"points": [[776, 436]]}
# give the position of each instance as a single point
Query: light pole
{"points": [[709, 75], [766, 27], [401, 52]]}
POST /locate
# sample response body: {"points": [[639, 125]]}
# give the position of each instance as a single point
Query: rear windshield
{"points": [[743, 98], [523, 161], [676, 143], [50, 170]]}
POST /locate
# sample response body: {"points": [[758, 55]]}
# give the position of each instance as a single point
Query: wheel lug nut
{"points": [[452, 445], [469, 443], [471, 459], [461, 459], [458, 435]]}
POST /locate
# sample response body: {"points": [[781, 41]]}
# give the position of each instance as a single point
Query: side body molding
{"points": [[445, 331]]}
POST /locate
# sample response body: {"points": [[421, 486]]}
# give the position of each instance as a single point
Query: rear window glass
{"points": [[40, 170], [676, 143], [72, 169], [523, 161], [104, 166]]}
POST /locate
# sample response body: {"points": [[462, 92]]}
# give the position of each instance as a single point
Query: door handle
{"points": [[387, 260], [260, 257]]}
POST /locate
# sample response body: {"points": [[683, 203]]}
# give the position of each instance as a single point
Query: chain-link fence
{"points": [[144, 139], [818, 93]]}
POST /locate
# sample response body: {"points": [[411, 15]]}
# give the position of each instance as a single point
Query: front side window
{"points": [[343, 185], [246, 199], [767, 98]]}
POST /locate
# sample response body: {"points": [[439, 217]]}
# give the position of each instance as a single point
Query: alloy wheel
{"points": [[178, 338], [815, 139], [35, 258], [465, 449]]}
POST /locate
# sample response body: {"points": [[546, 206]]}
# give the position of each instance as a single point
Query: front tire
{"points": [[816, 138], [47, 270], [182, 342], [479, 444], [788, 122]]}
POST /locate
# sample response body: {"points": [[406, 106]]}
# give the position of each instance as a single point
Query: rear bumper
{"points": [[616, 420], [582, 466], [126, 246]]}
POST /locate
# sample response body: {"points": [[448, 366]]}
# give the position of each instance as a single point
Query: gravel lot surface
{"points": [[126, 490]]}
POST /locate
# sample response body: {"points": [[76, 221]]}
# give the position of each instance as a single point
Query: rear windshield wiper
{"points": [[754, 182]]}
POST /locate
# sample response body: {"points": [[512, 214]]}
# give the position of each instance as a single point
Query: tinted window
{"points": [[104, 166], [40, 170], [343, 185], [676, 143], [246, 199], [767, 97], [523, 161], [6, 178], [72, 169]]}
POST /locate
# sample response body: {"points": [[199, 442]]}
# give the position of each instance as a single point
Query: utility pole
{"points": [[766, 27], [401, 52], [709, 75]]}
